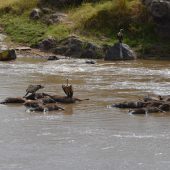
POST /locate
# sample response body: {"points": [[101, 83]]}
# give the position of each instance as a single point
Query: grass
{"points": [[59, 31], [108, 17], [22, 30], [95, 22], [17, 6], [101, 21]]}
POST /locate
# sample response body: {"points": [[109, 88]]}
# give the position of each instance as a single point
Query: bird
{"points": [[120, 35], [68, 90], [32, 89]]}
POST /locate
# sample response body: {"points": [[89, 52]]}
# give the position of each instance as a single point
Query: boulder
{"points": [[58, 17], [60, 50], [47, 44], [35, 14], [46, 10], [7, 55], [74, 47], [54, 18], [120, 52], [89, 53]]}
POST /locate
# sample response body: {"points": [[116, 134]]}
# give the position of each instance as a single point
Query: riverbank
{"points": [[96, 23]]}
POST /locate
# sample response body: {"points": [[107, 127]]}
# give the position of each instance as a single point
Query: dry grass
{"points": [[97, 22], [18, 5], [6, 3], [109, 16]]}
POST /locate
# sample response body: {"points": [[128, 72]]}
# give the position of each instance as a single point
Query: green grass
{"points": [[95, 22], [17, 6], [22, 30], [108, 17], [101, 21], [59, 31]]}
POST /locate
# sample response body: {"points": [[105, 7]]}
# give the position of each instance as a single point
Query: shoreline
{"points": [[38, 53]]}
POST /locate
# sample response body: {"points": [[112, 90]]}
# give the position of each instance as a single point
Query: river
{"points": [[89, 135]]}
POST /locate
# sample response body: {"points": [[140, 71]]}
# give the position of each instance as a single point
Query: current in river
{"points": [[88, 135]]}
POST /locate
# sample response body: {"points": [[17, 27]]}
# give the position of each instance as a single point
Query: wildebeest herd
{"points": [[146, 105], [43, 102]]}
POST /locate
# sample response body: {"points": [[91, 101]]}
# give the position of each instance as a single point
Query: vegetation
{"points": [[95, 21], [22, 30], [18, 6]]}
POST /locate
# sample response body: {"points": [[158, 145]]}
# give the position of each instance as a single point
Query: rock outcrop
{"points": [[54, 18], [119, 52], [35, 14], [7, 55], [47, 15], [72, 47], [47, 44]]}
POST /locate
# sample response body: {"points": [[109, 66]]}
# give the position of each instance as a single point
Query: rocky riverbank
{"points": [[83, 33], [74, 47]]}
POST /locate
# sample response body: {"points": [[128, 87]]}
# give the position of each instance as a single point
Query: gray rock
{"points": [[8, 55], [114, 52], [46, 10], [71, 47], [47, 44], [54, 18], [35, 14], [89, 53], [60, 50], [74, 47]]}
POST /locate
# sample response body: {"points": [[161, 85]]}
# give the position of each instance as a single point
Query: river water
{"points": [[89, 135]]}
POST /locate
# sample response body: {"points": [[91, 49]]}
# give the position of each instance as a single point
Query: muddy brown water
{"points": [[89, 135]]}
